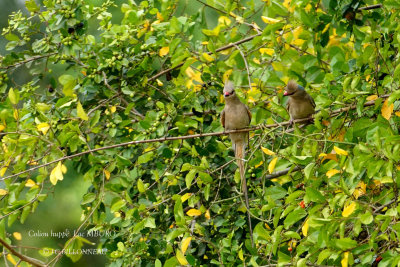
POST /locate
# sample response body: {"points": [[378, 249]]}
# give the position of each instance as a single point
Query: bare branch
{"points": [[283, 172], [370, 7]]}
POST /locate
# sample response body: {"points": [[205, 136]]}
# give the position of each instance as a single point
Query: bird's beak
{"points": [[285, 93], [226, 94]]}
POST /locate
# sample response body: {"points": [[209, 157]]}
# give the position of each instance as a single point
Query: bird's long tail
{"points": [[239, 154]]}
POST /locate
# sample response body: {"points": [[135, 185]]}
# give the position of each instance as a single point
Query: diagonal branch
{"points": [[34, 262], [19, 63]]}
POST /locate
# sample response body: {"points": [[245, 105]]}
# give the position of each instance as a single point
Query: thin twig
{"points": [[245, 63], [283, 172], [370, 7]]}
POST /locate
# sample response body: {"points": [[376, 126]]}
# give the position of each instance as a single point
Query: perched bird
{"points": [[300, 105], [237, 115]]}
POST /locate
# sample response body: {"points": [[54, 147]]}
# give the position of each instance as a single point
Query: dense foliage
{"points": [[106, 75]]}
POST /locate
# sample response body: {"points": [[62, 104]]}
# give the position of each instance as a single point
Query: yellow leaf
{"points": [[345, 260], [81, 112], [298, 42], [159, 16], [240, 255], [4, 169], [30, 183], [267, 151], [268, 51], [340, 151], [224, 20], [255, 60], [194, 75], [361, 189], [113, 109], [193, 212], [43, 127], [57, 173], [2, 127], [181, 258], [327, 156], [387, 110], [372, 97], [269, 20], [332, 172], [159, 83], [117, 214], [185, 244], [207, 214], [107, 174], [186, 197], [11, 259], [3, 192], [271, 165], [397, 114], [16, 114], [17, 235], [259, 164], [226, 75], [164, 51], [304, 228], [207, 57], [204, 43], [349, 209]]}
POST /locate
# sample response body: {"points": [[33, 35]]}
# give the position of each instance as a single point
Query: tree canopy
{"points": [[128, 94]]}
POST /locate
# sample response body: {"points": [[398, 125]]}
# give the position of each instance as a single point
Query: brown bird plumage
{"points": [[237, 115], [300, 104]]}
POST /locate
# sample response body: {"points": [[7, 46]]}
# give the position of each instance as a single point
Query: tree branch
{"points": [[165, 138], [27, 61], [370, 7], [283, 172], [27, 259]]}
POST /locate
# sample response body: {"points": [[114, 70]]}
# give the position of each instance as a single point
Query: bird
{"points": [[300, 104], [234, 116]]}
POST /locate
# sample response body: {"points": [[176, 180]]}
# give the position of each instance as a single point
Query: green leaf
{"points": [[344, 243], [150, 222], [69, 82], [294, 217], [74, 245], [88, 198], [118, 205], [275, 192], [146, 157], [189, 177], [81, 112], [157, 263], [314, 195], [178, 211], [13, 96], [140, 186], [260, 233], [32, 6], [366, 218]]}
